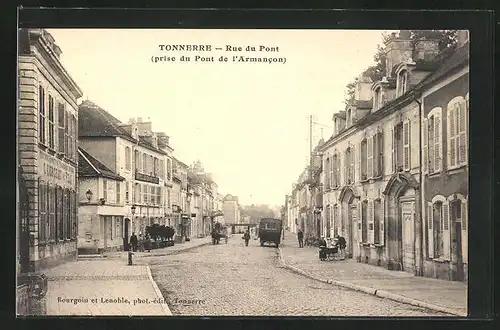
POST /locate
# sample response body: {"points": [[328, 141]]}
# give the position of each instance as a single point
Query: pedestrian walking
{"points": [[341, 244], [133, 242], [246, 237], [300, 237]]}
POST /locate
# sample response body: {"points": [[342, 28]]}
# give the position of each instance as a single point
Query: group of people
{"points": [[340, 242], [137, 244]]}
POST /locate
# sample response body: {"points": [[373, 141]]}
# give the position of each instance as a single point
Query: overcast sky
{"points": [[248, 123]]}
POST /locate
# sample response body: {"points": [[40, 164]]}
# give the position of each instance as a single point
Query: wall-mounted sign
{"points": [[53, 170]]}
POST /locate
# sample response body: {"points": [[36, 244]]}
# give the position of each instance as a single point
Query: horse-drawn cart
{"points": [[218, 233]]}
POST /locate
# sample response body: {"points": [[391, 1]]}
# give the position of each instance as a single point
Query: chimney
{"points": [[426, 49], [397, 49], [363, 91], [463, 37]]}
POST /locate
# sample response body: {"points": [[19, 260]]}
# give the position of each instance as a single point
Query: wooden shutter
{"points": [[60, 140], [425, 147], [380, 156], [369, 157], [359, 161], [465, 232], [393, 146], [462, 134], [406, 145], [430, 231], [430, 145], [451, 154], [376, 155], [371, 224], [382, 223], [446, 230], [352, 164], [326, 167], [437, 143]]}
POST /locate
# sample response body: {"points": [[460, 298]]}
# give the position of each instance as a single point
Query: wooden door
{"points": [[407, 222]]}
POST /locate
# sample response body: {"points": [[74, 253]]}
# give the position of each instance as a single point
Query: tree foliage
{"points": [[256, 212], [447, 39]]}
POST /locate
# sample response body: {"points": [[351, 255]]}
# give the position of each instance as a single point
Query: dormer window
{"points": [[402, 83], [348, 118], [377, 98]]}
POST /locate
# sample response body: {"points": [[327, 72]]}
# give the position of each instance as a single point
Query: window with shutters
{"points": [[434, 141], [75, 138], [58, 206], [438, 225], [378, 155], [144, 168], [364, 221], [51, 123], [402, 82], [127, 158], [364, 155], [137, 161], [41, 115], [67, 225], [66, 134], [397, 148], [328, 173], [105, 189], [118, 192], [127, 192], [61, 112], [406, 146], [457, 133], [158, 196], [169, 169], [369, 157], [377, 216], [42, 212], [335, 171], [349, 165], [162, 169]]}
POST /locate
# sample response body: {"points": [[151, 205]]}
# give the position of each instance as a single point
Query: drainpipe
{"points": [[419, 226]]}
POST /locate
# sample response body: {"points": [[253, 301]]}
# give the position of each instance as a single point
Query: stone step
{"points": [[91, 256]]}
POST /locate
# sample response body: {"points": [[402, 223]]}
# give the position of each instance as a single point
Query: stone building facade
{"points": [[132, 151], [394, 172], [47, 149]]}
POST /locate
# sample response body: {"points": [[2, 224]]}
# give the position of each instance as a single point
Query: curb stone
{"points": [[371, 291], [164, 306]]}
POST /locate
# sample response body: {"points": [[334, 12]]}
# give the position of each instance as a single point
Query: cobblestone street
{"points": [[236, 280]]}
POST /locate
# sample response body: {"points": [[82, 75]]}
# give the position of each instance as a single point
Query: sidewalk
{"points": [[103, 287], [179, 247], [448, 296]]}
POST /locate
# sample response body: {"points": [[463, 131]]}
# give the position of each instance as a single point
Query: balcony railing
{"points": [[146, 178]]}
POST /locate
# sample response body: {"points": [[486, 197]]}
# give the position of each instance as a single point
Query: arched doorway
{"points": [[349, 220], [400, 218], [126, 226]]}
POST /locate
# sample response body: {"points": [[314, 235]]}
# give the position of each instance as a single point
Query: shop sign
{"points": [[53, 170]]}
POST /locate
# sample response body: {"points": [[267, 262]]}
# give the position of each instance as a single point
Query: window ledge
{"points": [[378, 245], [456, 169], [434, 174], [440, 260], [364, 180], [42, 145]]}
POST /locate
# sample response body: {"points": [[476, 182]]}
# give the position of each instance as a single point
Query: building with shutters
{"points": [[392, 211], [445, 102], [47, 153], [134, 152], [102, 209]]}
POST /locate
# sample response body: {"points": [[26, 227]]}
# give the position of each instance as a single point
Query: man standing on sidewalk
{"points": [[300, 236]]}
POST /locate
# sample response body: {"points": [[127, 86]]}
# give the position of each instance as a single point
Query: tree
{"points": [[447, 40]]}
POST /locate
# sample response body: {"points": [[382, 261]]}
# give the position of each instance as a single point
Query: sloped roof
{"points": [[458, 58], [88, 166], [340, 114], [94, 121]]}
